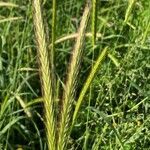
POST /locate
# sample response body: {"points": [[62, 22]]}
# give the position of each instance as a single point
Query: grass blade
{"points": [[6, 4], [94, 21], [53, 28], [11, 123], [10, 19], [74, 36], [129, 9], [88, 82], [114, 60]]}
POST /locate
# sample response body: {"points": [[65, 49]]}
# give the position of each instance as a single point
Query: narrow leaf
{"points": [[6, 4], [88, 82], [94, 21], [114, 60], [129, 9]]}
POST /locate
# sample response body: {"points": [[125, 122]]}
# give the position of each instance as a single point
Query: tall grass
{"points": [[103, 89], [73, 70], [70, 87], [46, 72]]}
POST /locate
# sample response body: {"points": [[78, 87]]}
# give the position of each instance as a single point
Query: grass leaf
{"points": [[94, 21], [6, 4], [88, 82]]}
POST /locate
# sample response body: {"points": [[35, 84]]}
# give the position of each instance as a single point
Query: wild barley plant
{"points": [[71, 83], [46, 61], [46, 72]]}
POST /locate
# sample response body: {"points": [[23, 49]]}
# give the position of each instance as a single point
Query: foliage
{"points": [[101, 101]]}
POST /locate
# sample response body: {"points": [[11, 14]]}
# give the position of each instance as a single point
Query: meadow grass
{"points": [[74, 74]]}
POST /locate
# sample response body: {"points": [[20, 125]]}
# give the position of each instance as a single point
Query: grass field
{"points": [[74, 75]]}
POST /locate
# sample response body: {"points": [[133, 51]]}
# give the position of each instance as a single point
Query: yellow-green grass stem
{"points": [[94, 21], [53, 29]]}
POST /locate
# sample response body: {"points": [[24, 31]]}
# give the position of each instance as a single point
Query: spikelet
{"points": [[70, 86], [46, 72]]}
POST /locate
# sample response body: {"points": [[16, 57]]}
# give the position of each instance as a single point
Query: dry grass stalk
{"points": [[74, 36]]}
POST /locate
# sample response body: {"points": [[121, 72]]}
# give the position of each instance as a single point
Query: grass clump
{"points": [[74, 74]]}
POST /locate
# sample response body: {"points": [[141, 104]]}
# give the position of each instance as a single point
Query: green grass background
{"points": [[116, 108]]}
